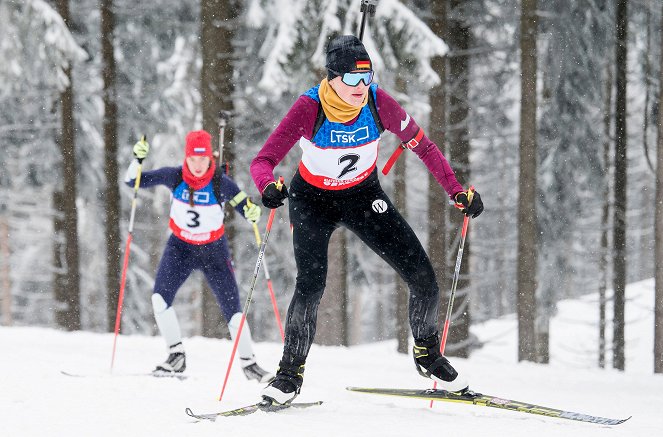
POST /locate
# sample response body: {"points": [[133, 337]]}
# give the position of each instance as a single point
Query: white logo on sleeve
{"points": [[405, 122], [379, 206]]}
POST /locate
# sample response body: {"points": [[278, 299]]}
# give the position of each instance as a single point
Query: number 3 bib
{"points": [[201, 223]]}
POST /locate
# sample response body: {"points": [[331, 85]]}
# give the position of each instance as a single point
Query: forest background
{"points": [[549, 108]]}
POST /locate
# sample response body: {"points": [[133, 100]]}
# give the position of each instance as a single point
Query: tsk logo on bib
{"points": [[338, 136]]}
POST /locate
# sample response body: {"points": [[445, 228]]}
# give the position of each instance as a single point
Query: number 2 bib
{"points": [[340, 156]]}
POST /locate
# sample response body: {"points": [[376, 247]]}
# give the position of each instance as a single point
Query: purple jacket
{"points": [[299, 122]]}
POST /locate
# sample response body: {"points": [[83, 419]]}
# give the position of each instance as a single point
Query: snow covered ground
{"points": [[37, 400]]}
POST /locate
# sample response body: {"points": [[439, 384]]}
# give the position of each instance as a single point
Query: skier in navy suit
{"points": [[199, 191]]}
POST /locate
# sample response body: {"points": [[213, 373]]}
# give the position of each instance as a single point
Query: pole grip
{"points": [[143, 138], [279, 185]]}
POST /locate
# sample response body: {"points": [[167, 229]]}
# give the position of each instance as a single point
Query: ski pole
{"points": [[247, 304], [269, 280], [454, 282], [367, 8], [125, 263]]}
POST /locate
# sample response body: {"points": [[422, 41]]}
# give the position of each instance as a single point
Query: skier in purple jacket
{"points": [[338, 124], [199, 192]]}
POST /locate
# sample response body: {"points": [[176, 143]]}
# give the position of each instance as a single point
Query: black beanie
{"points": [[344, 54]]}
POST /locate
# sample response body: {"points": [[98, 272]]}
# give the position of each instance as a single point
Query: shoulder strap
{"points": [[216, 184], [319, 119], [178, 181], [374, 110]]}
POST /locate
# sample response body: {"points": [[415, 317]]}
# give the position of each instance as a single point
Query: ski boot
{"points": [[286, 384], [253, 371], [431, 364], [176, 361]]}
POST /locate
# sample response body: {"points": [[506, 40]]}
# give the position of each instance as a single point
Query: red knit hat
{"points": [[198, 143]]}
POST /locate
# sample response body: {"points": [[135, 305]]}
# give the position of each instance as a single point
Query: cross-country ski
{"points": [[154, 374], [479, 399], [263, 405]]}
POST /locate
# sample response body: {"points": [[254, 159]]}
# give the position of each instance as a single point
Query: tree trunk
{"points": [[527, 221], [218, 27], [333, 317], [5, 281], [213, 323], [437, 197], [459, 38], [658, 306], [401, 289], [68, 309], [112, 191], [619, 212], [605, 217], [647, 72], [543, 338], [218, 24]]}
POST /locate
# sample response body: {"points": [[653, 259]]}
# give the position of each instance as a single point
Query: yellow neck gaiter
{"points": [[336, 109]]}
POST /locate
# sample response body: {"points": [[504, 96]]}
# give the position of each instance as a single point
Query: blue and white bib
{"points": [[340, 156], [201, 223]]}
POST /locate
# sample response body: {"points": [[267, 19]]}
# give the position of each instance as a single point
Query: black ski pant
{"points": [[366, 211]]}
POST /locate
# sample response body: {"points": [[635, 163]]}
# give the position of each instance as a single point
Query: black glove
{"points": [[473, 208], [272, 197]]}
